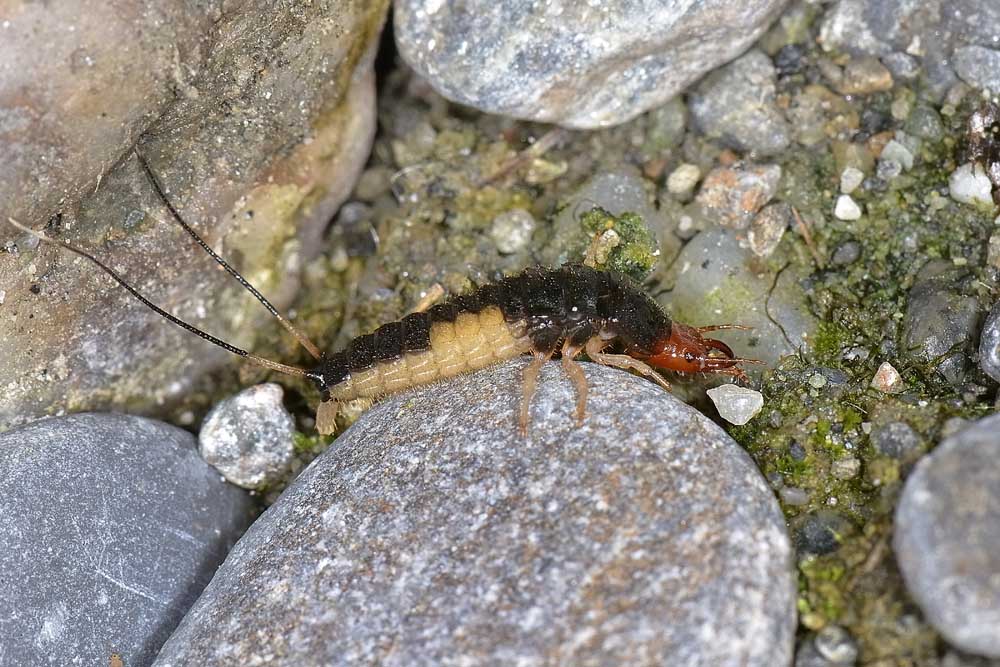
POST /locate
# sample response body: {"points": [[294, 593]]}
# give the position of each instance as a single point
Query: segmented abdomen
{"points": [[533, 310]]}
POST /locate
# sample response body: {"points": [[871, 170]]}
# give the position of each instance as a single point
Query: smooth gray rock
{"points": [[433, 533], [947, 537], [989, 344], [248, 437], [897, 440], [736, 104], [111, 525], [719, 282], [918, 27], [940, 323], [979, 67], [578, 64]]}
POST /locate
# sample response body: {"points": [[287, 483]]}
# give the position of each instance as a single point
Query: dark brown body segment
{"points": [[573, 303]]}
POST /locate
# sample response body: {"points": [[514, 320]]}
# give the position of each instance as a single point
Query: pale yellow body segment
{"points": [[473, 341]]}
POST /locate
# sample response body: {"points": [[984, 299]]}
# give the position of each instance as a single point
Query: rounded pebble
{"points": [[248, 437], [947, 537], [736, 104], [846, 208], [512, 230], [850, 179], [978, 66], [432, 529], [898, 153], [887, 379], [682, 180], [989, 344], [768, 227]]}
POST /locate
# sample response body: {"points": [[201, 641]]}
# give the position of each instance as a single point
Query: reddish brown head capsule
{"points": [[687, 351]]}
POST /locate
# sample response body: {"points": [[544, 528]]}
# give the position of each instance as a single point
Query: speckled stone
{"points": [[978, 67], [736, 104], [433, 533], [732, 196], [947, 537], [111, 525], [248, 437], [579, 64]]}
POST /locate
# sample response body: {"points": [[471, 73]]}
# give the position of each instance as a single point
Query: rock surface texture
{"points": [[433, 533], [947, 537], [256, 118], [248, 437], [111, 526], [578, 64]]}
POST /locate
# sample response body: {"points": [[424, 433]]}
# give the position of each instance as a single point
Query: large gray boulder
{"points": [[578, 64], [434, 533]]}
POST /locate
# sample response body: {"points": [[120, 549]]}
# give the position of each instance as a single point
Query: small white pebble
{"points": [[682, 180], [737, 405], [969, 184], [846, 208], [850, 179], [3, 295], [887, 379]]}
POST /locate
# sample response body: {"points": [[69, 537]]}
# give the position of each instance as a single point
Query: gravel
{"points": [[732, 196], [846, 208], [969, 184]]}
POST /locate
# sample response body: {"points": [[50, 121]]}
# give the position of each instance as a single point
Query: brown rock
{"points": [[257, 123]]}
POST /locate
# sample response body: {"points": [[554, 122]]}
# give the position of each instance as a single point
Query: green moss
{"points": [[621, 243], [310, 444]]}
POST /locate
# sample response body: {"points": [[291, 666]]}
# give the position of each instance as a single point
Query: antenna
{"points": [[260, 361], [299, 336]]}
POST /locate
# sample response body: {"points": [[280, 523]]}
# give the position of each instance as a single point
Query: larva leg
{"points": [[594, 347], [575, 373], [530, 385], [723, 327], [433, 295], [326, 417]]}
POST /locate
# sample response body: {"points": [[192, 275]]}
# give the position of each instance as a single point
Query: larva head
{"points": [[687, 351]]}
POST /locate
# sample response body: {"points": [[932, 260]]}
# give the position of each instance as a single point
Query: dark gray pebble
{"points": [[989, 344], [111, 525]]}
